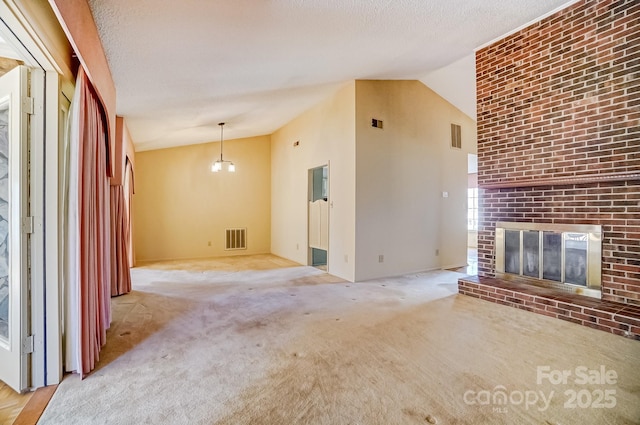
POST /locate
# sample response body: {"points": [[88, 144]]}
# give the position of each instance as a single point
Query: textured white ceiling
{"points": [[180, 67]]}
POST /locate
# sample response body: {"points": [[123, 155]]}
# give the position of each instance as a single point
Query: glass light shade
{"points": [[217, 166]]}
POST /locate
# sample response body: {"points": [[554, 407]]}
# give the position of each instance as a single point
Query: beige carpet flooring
{"points": [[260, 341]]}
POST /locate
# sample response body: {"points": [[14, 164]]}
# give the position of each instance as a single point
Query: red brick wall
{"points": [[560, 100]]}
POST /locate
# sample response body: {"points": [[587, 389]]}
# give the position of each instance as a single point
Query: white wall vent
{"points": [[456, 136], [236, 239]]}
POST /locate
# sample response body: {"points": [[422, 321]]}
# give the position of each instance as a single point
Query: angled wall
{"points": [[326, 135], [402, 171]]}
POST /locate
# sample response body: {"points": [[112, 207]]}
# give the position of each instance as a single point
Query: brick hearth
{"points": [[608, 316]]}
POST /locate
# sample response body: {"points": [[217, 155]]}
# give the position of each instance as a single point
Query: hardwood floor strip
{"points": [[35, 406]]}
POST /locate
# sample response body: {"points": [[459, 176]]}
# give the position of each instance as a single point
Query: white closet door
{"points": [[14, 346]]}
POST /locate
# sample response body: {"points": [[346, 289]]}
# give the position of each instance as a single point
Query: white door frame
{"points": [[326, 165], [46, 301]]}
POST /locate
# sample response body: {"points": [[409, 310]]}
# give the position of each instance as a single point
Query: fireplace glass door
{"points": [[531, 253], [575, 258], [552, 256], [512, 251]]}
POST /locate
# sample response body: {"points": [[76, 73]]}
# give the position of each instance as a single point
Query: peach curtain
{"points": [[120, 276], [88, 231]]}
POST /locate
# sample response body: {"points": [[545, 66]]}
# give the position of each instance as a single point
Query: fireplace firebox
{"points": [[563, 256]]}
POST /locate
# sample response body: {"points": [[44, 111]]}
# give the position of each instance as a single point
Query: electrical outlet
{"points": [[380, 258], [346, 258], [437, 252], [298, 246], [209, 243]]}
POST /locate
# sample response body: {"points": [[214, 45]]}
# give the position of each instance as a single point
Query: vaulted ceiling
{"points": [[180, 67]]}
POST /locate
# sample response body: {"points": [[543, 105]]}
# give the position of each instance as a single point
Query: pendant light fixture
{"points": [[217, 166]]}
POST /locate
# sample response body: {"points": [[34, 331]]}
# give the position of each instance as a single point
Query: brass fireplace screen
{"points": [[565, 256]]}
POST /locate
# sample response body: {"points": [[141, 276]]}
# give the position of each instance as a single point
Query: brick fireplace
{"points": [[559, 143]]}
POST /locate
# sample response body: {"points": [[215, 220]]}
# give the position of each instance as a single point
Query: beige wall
{"points": [[385, 186], [124, 149], [327, 136], [180, 205], [401, 172]]}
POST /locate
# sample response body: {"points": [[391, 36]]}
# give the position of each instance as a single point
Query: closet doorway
{"points": [[318, 216]]}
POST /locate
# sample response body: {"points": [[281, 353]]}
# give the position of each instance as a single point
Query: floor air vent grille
{"points": [[236, 239]]}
